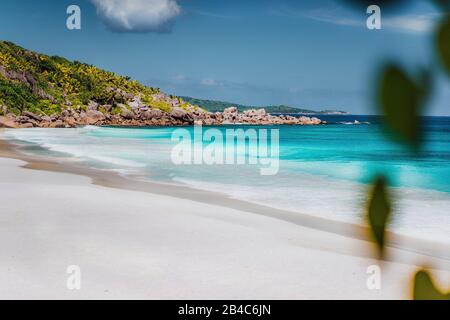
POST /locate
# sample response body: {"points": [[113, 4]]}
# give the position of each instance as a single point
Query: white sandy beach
{"points": [[138, 245]]}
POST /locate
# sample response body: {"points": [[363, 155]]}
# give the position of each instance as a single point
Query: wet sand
{"points": [[148, 240]]}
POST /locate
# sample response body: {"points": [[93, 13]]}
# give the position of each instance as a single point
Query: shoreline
{"points": [[115, 180], [144, 240]]}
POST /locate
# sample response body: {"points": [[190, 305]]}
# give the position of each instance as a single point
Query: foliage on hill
{"points": [[213, 105], [45, 85], [218, 106]]}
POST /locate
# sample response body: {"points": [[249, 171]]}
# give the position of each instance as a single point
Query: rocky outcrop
{"points": [[90, 117], [139, 114], [255, 116], [8, 122], [31, 115], [82, 94], [182, 115], [151, 114]]}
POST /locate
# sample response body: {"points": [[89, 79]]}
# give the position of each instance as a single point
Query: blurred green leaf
{"points": [[424, 288], [443, 4], [400, 101], [379, 211], [443, 42]]}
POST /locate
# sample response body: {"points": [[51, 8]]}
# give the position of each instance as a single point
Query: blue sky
{"points": [[315, 54]]}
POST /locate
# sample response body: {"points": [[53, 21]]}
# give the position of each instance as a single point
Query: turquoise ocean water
{"points": [[323, 170]]}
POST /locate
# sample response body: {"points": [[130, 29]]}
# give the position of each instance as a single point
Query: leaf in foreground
{"points": [[443, 4], [424, 288], [378, 212], [443, 42], [400, 101]]}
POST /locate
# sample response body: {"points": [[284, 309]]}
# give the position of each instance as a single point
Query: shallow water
{"points": [[323, 170]]}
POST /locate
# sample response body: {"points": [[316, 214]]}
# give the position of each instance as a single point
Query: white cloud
{"points": [[210, 82], [411, 23], [179, 77], [138, 15]]}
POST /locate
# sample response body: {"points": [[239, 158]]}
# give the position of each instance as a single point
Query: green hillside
{"points": [[218, 106], [46, 85], [213, 105]]}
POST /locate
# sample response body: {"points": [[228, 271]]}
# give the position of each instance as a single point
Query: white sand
{"points": [[138, 245]]}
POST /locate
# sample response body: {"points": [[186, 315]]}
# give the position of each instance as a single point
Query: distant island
{"points": [[218, 106]]}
